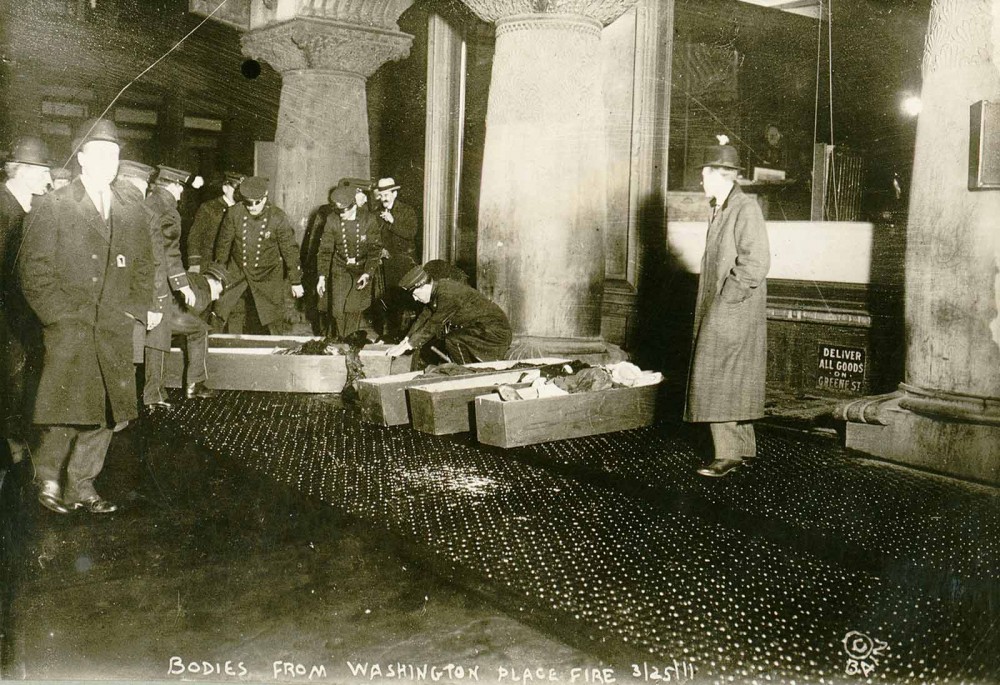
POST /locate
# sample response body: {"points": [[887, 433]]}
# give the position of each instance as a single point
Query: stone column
{"points": [[543, 200], [947, 414], [322, 132]]}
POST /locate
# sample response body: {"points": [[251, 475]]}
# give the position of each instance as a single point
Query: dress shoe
{"points": [[199, 390], [719, 467], [162, 404], [95, 505], [50, 497]]}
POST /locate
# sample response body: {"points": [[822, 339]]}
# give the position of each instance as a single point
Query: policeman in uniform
{"points": [[257, 245], [27, 169], [164, 194], [200, 242], [467, 325], [349, 255]]}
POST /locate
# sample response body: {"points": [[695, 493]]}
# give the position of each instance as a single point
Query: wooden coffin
{"points": [[383, 400], [526, 422], [447, 408], [249, 362]]}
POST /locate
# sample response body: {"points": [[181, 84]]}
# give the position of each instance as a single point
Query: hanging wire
{"points": [[139, 76], [833, 156]]}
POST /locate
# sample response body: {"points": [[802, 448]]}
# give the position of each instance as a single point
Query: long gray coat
{"points": [[729, 363], [88, 283]]}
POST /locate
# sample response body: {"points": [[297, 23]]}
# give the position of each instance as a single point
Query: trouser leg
{"points": [[732, 440], [195, 334], [86, 460], [153, 390], [54, 445]]}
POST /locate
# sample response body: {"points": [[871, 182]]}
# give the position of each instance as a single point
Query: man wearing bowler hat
{"points": [[86, 270], [257, 246], [349, 254], [729, 360], [27, 170], [208, 220]]}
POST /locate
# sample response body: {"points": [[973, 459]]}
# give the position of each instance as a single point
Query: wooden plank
{"points": [[448, 408], [526, 422], [383, 400], [260, 370]]}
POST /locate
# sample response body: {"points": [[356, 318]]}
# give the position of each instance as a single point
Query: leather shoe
{"points": [[95, 505], [49, 497], [719, 467], [162, 404], [199, 390]]}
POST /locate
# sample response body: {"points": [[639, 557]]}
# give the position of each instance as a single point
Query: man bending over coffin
{"points": [[468, 326]]}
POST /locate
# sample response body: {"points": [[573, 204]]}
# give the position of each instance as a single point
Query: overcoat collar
{"points": [[87, 210], [733, 192]]}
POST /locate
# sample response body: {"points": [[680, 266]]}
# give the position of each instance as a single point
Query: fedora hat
{"points": [[388, 183], [30, 150], [97, 129], [722, 155]]}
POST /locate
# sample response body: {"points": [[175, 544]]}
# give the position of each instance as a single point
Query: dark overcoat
{"points": [[256, 251], [205, 229], [165, 235], [729, 362], [347, 249], [469, 323], [88, 281], [399, 240], [19, 334]]}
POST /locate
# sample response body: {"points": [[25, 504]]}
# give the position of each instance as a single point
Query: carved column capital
{"points": [[959, 34], [602, 11], [329, 45]]}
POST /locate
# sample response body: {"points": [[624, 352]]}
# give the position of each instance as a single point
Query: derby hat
{"points": [[30, 150], [97, 129], [387, 183], [254, 187], [133, 169], [166, 175], [723, 155], [414, 278]]}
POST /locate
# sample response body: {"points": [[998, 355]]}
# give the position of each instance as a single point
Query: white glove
{"points": [[298, 291], [153, 320], [363, 281], [321, 286], [190, 299], [214, 288], [402, 348]]}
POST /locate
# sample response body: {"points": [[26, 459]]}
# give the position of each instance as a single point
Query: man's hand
{"points": [[214, 288], [321, 286], [153, 320], [363, 281], [190, 299], [387, 216], [298, 291], [402, 348]]}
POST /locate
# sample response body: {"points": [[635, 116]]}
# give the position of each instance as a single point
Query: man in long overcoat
{"points": [[399, 230], [729, 362], [200, 243], [27, 171], [256, 245], [86, 270]]}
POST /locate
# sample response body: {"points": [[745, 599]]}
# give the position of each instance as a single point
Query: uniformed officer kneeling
{"points": [[465, 322]]}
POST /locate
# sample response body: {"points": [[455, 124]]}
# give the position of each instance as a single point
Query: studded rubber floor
{"points": [[809, 566]]}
